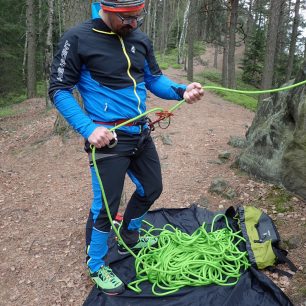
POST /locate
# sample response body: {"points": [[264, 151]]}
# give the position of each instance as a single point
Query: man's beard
{"points": [[125, 31]]}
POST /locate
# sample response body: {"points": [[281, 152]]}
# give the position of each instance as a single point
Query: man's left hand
{"points": [[193, 93]]}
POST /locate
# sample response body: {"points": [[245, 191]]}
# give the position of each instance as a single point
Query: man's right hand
{"points": [[100, 137]]}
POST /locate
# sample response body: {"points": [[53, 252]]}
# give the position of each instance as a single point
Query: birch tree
{"points": [[181, 47], [191, 38]]}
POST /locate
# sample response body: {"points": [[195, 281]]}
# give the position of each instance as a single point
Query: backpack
{"points": [[262, 240]]}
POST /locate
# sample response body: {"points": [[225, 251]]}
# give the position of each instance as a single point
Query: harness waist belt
{"points": [[117, 122]]}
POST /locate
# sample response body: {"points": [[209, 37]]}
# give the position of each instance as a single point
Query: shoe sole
{"points": [[124, 252], [109, 293]]}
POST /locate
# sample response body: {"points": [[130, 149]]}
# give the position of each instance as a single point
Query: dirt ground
{"points": [[45, 195]]}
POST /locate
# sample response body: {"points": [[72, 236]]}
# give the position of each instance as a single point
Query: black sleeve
{"points": [[66, 65]]}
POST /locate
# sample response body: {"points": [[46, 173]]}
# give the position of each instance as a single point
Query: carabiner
{"points": [[114, 141]]}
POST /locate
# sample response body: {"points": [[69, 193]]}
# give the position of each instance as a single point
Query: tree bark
{"points": [[280, 42], [31, 49], [147, 25], [216, 56], [294, 36], [268, 70], [232, 44], [183, 34], [154, 24], [48, 48], [191, 36], [249, 26], [225, 49]]}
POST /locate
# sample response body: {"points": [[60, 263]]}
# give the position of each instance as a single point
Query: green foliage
{"points": [[41, 89], [169, 59], [213, 78], [199, 48], [11, 47], [252, 63], [12, 98], [6, 112]]}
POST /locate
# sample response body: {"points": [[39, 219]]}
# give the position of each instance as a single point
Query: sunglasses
{"points": [[130, 19]]}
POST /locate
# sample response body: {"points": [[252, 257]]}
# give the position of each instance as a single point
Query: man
{"points": [[111, 62]]}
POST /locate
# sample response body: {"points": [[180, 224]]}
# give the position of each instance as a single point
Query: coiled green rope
{"points": [[179, 259]]}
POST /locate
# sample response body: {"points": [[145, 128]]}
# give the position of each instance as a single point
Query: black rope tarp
{"points": [[254, 287]]}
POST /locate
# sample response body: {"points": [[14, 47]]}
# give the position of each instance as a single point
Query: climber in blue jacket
{"points": [[112, 64]]}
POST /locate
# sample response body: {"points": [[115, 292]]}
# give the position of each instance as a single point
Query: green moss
{"points": [[280, 198], [303, 291]]}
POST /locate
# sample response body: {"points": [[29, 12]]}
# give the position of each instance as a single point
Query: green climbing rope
{"points": [[256, 92], [180, 260]]}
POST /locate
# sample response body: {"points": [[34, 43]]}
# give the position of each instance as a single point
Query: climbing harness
{"points": [[179, 259]]}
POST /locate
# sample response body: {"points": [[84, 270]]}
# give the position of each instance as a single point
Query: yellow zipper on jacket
{"points": [[129, 72], [129, 64]]}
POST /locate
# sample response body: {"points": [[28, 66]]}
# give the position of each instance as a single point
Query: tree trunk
{"points": [[232, 44], [183, 33], [59, 7], [249, 26], [164, 28], [24, 62], [154, 24], [268, 69], [216, 56], [280, 42], [178, 27], [191, 37], [147, 25], [48, 48], [294, 36], [31, 50], [225, 49]]}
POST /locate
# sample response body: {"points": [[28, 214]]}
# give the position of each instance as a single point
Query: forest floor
{"points": [[45, 195]]}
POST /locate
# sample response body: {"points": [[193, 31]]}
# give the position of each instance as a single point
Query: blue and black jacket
{"points": [[110, 72]]}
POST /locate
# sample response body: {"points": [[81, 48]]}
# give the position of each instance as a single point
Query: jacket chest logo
{"points": [[133, 49]]}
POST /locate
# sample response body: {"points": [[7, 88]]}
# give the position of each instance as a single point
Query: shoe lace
{"points": [[144, 239], [106, 273]]}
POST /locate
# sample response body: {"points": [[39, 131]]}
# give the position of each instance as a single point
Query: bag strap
{"points": [[279, 271], [282, 257]]}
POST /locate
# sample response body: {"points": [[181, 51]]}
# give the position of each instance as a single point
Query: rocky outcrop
{"points": [[276, 140]]}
